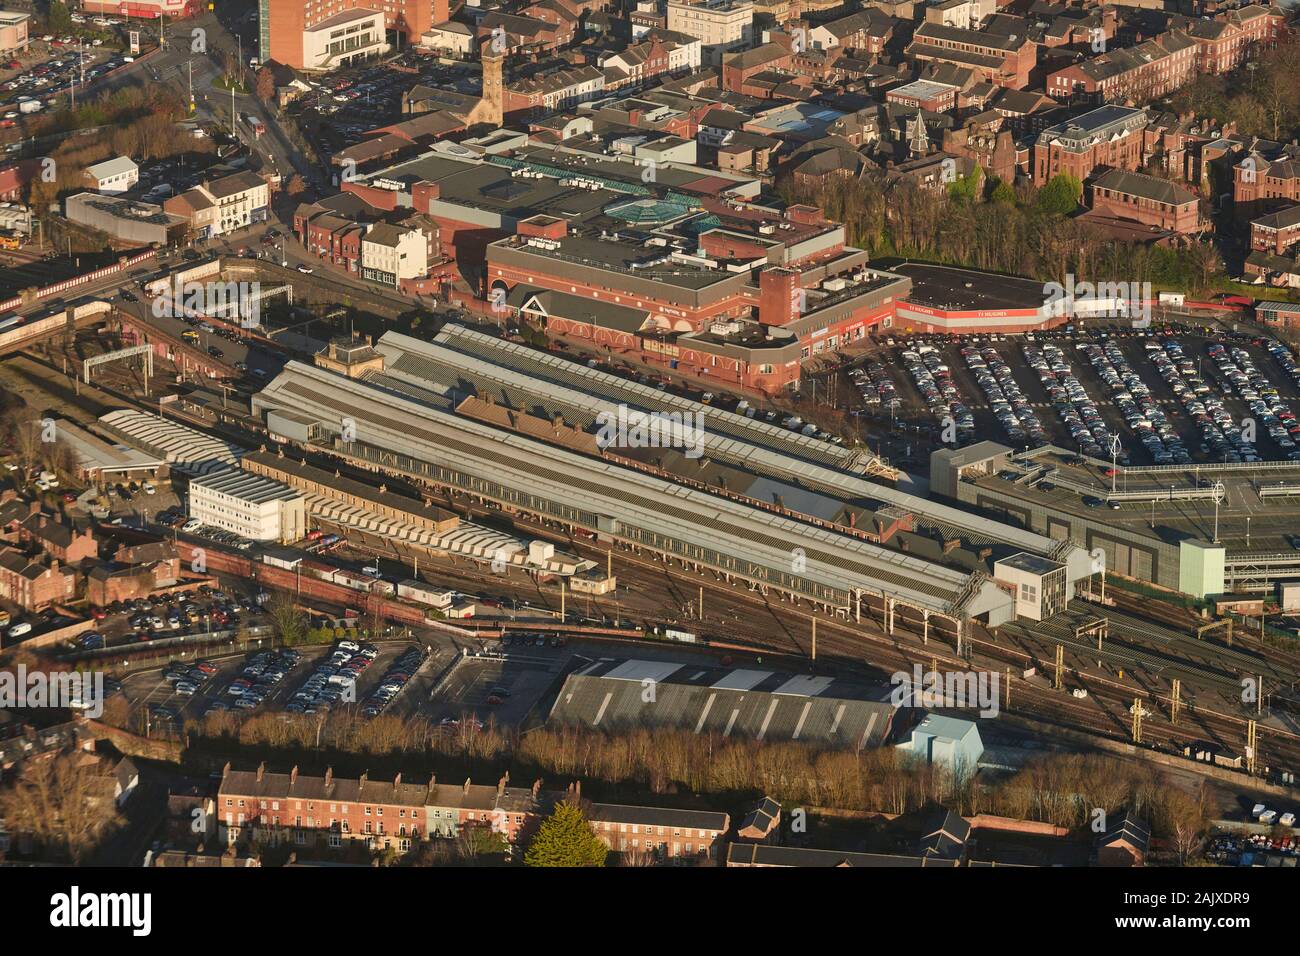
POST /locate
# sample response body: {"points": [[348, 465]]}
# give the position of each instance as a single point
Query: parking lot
{"points": [[1169, 399], [307, 681], [503, 683], [178, 613], [340, 108], [52, 74]]}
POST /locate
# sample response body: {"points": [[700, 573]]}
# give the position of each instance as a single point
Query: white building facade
{"points": [[249, 505]]}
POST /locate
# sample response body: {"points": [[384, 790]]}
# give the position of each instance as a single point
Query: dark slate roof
{"points": [[1282, 219], [1144, 186], [657, 817], [1130, 829], [763, 817]]}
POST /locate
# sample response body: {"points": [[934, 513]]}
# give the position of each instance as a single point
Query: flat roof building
{"points": [[249, 505]]}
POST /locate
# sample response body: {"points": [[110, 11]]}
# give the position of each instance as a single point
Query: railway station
{"points": [[398, 430]]}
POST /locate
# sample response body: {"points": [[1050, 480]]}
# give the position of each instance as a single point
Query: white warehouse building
{"points": [[248, 505]]}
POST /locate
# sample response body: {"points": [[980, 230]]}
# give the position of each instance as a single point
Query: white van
{"points": [[19, 629]]}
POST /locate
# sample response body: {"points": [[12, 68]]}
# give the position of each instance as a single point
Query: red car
{"points": [[98, 613], [69, 496]]}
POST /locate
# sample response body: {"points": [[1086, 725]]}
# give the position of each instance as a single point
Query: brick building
{"points": [[1107, 136], [33, 584], [57, 536], [1004, 60], [284, 24], [328, 811], [666, 834], [1265, 180], [1146, 199], [260, 806], [1276, 232], [1234, 36], [1142, 73]]}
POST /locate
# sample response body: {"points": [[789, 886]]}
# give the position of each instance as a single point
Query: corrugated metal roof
{"points": [[697, 520]]}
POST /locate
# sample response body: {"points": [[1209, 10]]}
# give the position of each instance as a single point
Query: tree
{"points": [[265, 85], [1003, 193], [1060, 196], [479, 843], [296, 185], [565, 838], [290, 623], [1182, 818], [61, 804], [59, 18]]}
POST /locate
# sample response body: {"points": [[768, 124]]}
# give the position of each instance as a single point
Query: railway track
{"points": [[784, 628]]}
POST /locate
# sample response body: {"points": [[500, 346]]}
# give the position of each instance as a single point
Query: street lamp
{"points": [[1115, 447]]}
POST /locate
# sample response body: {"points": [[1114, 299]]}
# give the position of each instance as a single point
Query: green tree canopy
{"points": [[1060, 196], [1003, 193], [565, 838], [59, 17]]}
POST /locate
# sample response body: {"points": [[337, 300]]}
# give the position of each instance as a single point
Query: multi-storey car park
{"points": [[1199, 529]]}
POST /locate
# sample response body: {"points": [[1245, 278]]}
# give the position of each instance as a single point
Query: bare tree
{"points": [[62, 805]]}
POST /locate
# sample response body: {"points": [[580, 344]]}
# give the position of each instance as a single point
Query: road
{"points": [[178, 65]]}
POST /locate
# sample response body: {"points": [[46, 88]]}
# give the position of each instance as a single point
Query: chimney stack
{"points": [[364, 777], [329, 776], [261, 771], [467, 786], [293, 776], [397, 781], [537, 787]]}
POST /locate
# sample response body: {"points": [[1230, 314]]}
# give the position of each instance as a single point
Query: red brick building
{"points": [[1262, 185], [282, 33], [663, 834], [57, 537], [330, 811], [925, 95], [33, 584], [1146, 199], [1142, 73], [1107, 136], [1004, 60], [1276, 232], [1235, 36]]}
